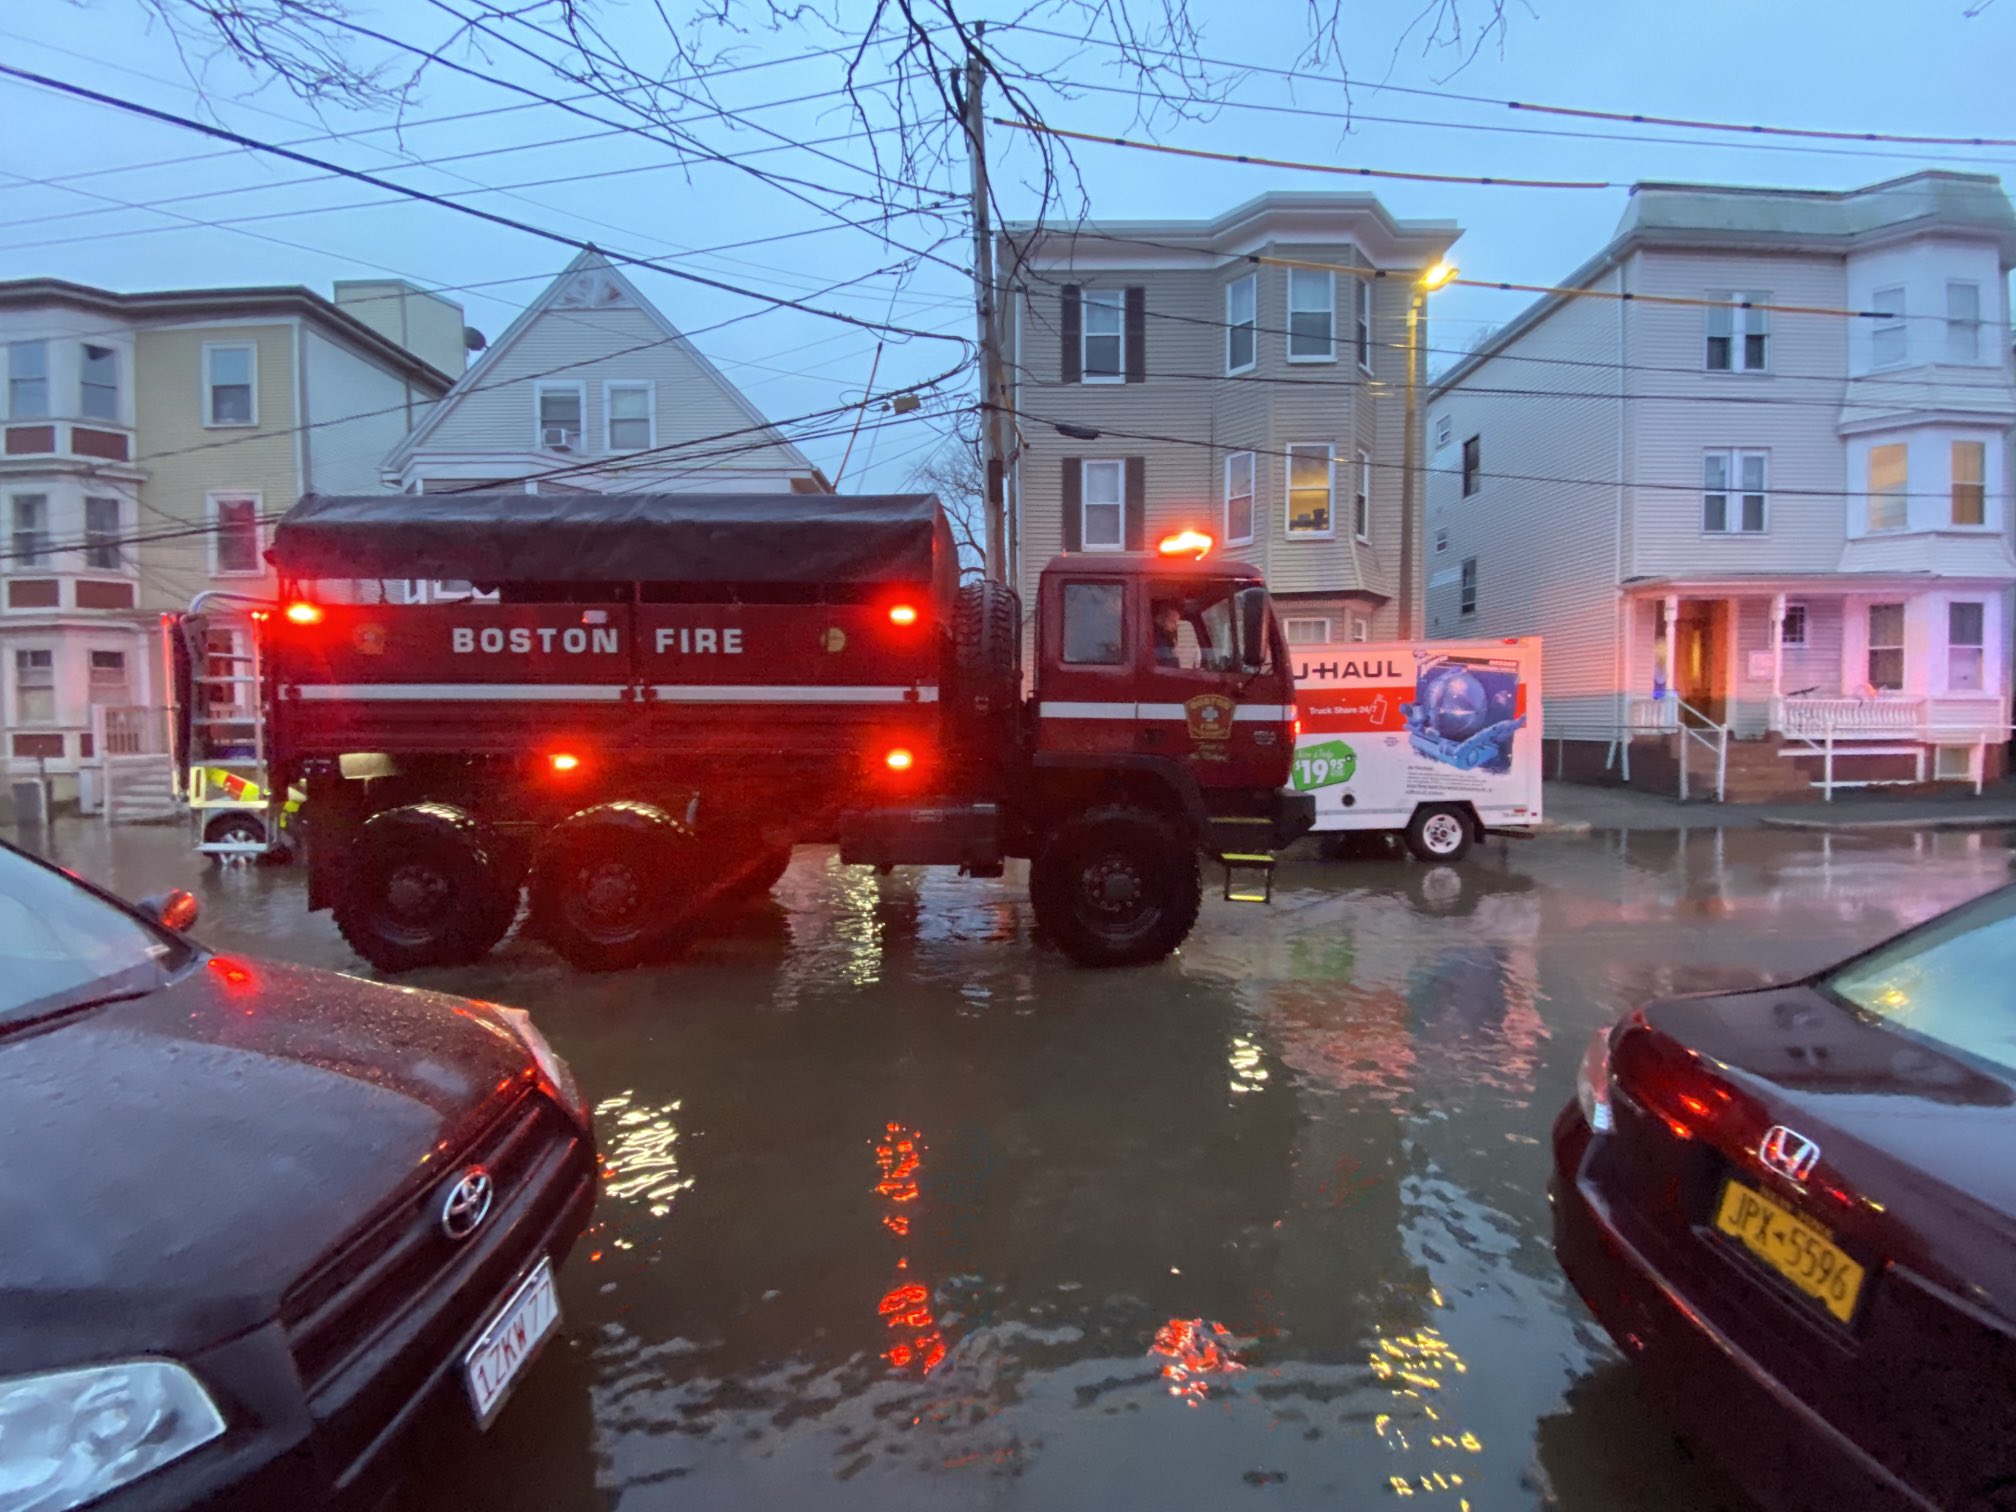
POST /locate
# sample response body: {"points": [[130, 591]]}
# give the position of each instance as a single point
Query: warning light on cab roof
{"points": [[1186, 543], [900, 760], [301, 612], [564, 761], [902, 614]]}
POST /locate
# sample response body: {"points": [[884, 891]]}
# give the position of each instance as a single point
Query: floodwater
{"points": [[904, 1211]]}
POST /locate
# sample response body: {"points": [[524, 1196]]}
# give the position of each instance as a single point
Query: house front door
{"points": [[1701, 659]]}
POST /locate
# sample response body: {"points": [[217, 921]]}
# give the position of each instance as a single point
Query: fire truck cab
{"points": [[649, 699]]}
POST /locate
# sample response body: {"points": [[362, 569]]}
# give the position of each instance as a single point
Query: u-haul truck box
{"points": [[1437, 739]]}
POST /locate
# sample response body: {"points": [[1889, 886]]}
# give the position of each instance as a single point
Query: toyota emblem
{"points": [[465, 1202], [1789, 1153]]}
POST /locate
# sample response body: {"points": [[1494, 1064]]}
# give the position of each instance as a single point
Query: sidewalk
{"points": [[1577, 808]]}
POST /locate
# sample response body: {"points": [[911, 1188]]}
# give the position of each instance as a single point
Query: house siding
{"points": [[357, 412]]}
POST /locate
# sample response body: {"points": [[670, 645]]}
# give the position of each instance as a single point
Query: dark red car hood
{"points": [[171, 1164]]}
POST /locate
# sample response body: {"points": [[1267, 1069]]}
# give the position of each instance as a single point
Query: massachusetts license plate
{"points": [[508, 1344], [1803, 1254]]}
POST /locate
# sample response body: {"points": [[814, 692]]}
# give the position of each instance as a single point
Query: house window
{"points": [[103, 522], [1889, 508], [1103, 520], [230, 375], [30, 524], [1092, 624], [28, 380], [108, 684], [234, 535], [1441, 542], [559, 416], [1732, 492], [1306, 631], [1468, 603], [1105, 327], [1442, 432], [629, 407], [1965, 643], [1886, 646], [1309, 486], [1242, 311], [1473, 465], [1239, 497], [1361, 628], [1361, 302], [1361, 499], [1970, 472], [35, 687], [1312, 312], [1792, 629], [98, 387], [1739, 331], [1963, 322], [1888, 344]]}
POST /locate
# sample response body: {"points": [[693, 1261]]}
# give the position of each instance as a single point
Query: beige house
{"points": [[147, 442]]}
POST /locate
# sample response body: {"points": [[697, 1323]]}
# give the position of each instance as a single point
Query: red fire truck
{"points": [[645, 700]]}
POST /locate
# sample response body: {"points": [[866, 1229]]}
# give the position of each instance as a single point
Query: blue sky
{"points": [[1852, 65]]}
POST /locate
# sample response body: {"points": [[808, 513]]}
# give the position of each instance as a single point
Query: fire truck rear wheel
{"points": [[762, 874], [604, 884], [1116, 886], [423, 888]]}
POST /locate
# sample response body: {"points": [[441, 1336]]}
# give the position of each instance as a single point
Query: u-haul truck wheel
{"points": [[1116, 886], [423, 887], [1440, 832], [605, 885]]}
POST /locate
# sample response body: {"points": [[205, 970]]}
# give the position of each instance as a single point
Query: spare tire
{"points": [[424, 886], [986, 669]]}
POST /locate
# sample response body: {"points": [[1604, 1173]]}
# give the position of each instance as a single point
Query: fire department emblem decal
{"points": [[369, 637], [1209, 716]]}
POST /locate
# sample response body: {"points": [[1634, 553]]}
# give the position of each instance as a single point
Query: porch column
{"points": [[1673, 654], [1777, 656]]}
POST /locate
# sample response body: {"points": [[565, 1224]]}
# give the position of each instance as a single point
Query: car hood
{"points": [[175, 1162]]}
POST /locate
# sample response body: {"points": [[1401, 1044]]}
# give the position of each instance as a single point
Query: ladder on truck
{"points": [[226, 752]]}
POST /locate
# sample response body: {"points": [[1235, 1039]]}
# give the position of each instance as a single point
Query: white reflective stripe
{"points": [[1274, 713], [1160, 711], [458, 692], [788, 693], [1086, 710]]}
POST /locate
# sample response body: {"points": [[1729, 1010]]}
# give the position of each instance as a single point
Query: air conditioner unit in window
{"points": [[557, 438]]}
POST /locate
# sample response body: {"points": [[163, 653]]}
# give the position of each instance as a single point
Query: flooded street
{"points": [[903, 1211]]}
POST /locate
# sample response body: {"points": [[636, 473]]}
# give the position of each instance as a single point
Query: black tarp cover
{"points": [[619, 537]]}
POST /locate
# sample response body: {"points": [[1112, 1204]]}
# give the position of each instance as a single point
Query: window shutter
{"points": [[1136, 528], [1071, 326], [1137, 335], [1074, 499]]}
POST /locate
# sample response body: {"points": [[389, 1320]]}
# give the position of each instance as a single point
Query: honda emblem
{"points": [[1789, 1153]]}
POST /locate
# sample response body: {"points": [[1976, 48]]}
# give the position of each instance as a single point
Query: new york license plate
{"points": [[1803, 1254], [506, 1346]]}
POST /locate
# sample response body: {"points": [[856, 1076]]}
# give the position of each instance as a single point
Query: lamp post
{"points": [[1429, 281]]}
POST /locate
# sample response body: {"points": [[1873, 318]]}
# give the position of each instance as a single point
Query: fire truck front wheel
{"points": [[604, 884], [1116, 886], [424, 887]]}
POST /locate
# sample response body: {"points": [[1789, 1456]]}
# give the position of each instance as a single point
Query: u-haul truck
{"points": [[1434, 740]]}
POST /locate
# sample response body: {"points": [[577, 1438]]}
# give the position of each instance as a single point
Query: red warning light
{"points": [[900, 760], [902, 614], [304, 613], [1186, 543], [564, 761]]}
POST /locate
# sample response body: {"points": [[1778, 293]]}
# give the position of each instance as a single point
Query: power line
{"points": [[425, 197]]}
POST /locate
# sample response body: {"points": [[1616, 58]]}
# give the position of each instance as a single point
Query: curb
{"points": [[1563, 827], [1965, 822]]}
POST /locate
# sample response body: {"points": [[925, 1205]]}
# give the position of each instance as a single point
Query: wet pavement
{"points": [[904, 1211]]}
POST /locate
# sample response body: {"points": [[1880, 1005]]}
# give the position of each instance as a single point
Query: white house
{"points": [[591, 388], [1749, 476]]}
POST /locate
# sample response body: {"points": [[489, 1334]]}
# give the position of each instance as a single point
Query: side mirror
{"points": [[1253, 628], [176, 909]]}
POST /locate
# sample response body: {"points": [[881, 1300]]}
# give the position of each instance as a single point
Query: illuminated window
{"points": [[1889, 476], [1970, 472], [1886, 646], [1309, 489]]}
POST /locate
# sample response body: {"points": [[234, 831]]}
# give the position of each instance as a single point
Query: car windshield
{"points": [[62, 946], [1948, 981]]}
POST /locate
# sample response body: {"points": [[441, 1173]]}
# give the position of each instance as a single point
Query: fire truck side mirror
{"points": [[1253, 628]]}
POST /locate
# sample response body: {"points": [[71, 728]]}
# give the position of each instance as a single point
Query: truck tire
{"points": [[422, 887], [762, 873], [1440, 832], [1116, 886], [242, 829], [986, 669], [605, 885]]}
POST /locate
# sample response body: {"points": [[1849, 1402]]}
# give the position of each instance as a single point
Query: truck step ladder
{"points": [[1237, 862]]}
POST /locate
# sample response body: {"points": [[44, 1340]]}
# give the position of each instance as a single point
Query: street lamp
{"points": [[1430, 279]]}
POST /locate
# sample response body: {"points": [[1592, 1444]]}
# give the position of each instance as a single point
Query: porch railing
{"points": [[129, 730], [1651, 716], [1847, 716]]}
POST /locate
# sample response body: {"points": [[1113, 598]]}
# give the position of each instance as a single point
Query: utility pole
{"points": [[993, 385], [1410, 443]]}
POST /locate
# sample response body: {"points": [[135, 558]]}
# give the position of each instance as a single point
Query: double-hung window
{"points": [[108, 683], [1361, 498], [1963, 322], [1312, 316], [559, 417], [1473, 465], [230, 384], [1792, 629], [629, 407], [103, 519], [35, 687], [1966, 642], [1739, 331], [1309, 489], [1889, 344], [28, 380], [234, 535], [1239, 497], [1886, 647], [1105, 314], [1309, 631], [1242, 319], [1733, 492], [1970, 488], [98, 382], [1104, 517], [1889, 478], [1468, 602], [1361, 305], [29, 523]]}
